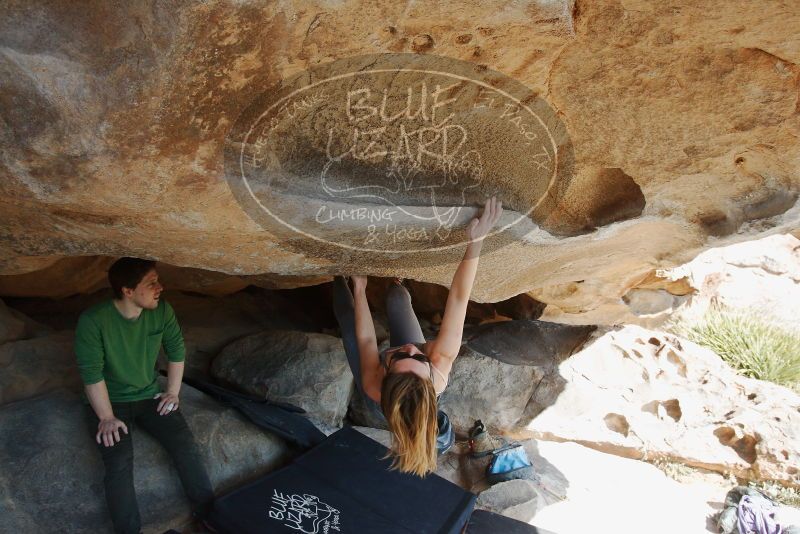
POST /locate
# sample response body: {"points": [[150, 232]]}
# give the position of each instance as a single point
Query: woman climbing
{"points": [[404, 381]]}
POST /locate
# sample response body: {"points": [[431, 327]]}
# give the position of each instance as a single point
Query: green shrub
{"points": [[776, 492], [752, 345], [674, 470]]}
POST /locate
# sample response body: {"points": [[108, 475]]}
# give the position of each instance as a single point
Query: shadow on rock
{"points": [[52, 475], [507, 372]]}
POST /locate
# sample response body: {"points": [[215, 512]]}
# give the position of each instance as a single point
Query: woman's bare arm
{"points": [[371, 375], [448, 342]]}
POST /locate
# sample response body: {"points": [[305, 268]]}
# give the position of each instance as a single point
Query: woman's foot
{"points": [[481, 442]]}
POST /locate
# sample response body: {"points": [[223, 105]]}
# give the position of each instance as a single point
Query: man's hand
{"points": [[359, 282], [169, 403], [479, 227], [108, 431]]}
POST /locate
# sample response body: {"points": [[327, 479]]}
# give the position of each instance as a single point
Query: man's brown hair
{"points": [[128, 272]]}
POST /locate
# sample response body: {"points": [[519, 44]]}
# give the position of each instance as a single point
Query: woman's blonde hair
{"points": [[409, 403]]}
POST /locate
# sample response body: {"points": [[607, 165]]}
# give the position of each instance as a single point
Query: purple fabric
{"points": [[756, 515]]}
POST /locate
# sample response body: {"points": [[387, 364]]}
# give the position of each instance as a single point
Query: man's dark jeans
{"points": [[175, 436]]}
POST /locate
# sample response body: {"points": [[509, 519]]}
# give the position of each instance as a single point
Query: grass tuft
{"points": [[751, 344], [674, 470], [778, 493]]}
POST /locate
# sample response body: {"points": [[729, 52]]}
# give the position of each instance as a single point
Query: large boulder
{"points": [[646, 394], [33, 328], [484, 388], [507, 372], [674, 132], [31, 367], [308, 370], [62, 278], [51, 475], [519, 499], [209, 324], [761, 277], [61, 313]]}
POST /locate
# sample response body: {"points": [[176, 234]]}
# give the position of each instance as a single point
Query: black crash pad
{"points": [[344, 485], [281, 419], [485, 522]]}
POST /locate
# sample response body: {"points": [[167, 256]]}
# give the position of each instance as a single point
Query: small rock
{"points": [[518, 499]]}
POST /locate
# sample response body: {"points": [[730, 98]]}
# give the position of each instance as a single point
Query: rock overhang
{"points": [[684, 133]]}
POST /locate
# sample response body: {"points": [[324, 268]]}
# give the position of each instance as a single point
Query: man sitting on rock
{"points": [[117, 342]]}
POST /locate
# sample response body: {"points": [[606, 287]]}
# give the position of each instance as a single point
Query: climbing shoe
{"points": [[481, 443]]}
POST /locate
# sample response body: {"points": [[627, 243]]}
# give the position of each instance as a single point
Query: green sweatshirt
{"points": [[123, 351]]}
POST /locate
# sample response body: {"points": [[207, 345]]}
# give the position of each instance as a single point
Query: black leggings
{"points": [[403, 324]]}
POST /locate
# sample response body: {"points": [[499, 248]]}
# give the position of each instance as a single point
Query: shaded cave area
{"points": [[213, 315]]}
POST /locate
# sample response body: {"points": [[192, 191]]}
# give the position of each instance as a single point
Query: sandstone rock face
{"points": [[645, 394], [760, 277], [305, 369], [68, 276], [52, 477], [31, 367], [681, 131]]}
